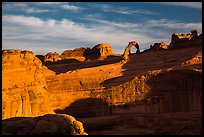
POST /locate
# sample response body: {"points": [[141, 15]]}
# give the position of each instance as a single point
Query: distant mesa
{"points": [[52, 56], [99, 52], [76, 54]]}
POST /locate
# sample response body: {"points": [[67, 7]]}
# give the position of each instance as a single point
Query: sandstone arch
{"points": [[127, 50]]}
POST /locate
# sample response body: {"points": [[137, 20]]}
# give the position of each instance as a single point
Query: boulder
{"points": [[49, 124], [52, 56]]}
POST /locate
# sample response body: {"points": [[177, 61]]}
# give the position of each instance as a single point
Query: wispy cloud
{"points": [[21, 29], [174, 24], [197, 5], [123, 10], [70, 7], [61, 5], [36, 7], [24, 7], [30, 32]]}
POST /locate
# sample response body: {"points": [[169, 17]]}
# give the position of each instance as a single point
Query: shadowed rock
{"points": [[157, 47], [182, 40], [49, 124]]}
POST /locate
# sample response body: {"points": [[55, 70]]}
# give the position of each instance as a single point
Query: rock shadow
{"points": [[126, 76], [176, 90], [90, 107], [63, 66], [171, 91]]}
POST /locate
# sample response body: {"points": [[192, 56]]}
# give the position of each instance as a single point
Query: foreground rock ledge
{"points": [[49, 124]]}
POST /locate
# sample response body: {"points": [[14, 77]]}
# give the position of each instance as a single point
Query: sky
{"points": [[44, 27]]}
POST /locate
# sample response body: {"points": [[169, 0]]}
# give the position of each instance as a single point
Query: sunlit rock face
{"points": [[51, 56], [24, 89], [99, 51], [157, 47], [49, 124], [183, 39], [76, 53]]}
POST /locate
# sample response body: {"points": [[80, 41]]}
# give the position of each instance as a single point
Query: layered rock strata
{"points": [[24, 88]]}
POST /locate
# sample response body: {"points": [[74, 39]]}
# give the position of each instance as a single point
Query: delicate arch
{"points": [[127, 50]]}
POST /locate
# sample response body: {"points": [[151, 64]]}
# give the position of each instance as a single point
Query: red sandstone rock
{"points": [[24, 89], [180, 40], [78, 52], [51, 56], [100, 51]]}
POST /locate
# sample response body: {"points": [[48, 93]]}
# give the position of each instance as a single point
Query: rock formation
{"points": [[24, 88], [99, 51], [157, 47], [180, 40], [78, 52], [41, 57], [155, 82], [49, 124], [51, 56], [127, 50]]}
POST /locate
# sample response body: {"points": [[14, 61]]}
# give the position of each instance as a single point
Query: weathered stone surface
{"points": [[127, 50], [78, 52], [49, 124], [157, 47], [51, 56], [24, 88], [182, 40], [99, 51]]}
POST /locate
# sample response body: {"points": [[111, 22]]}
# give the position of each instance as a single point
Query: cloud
{"points": [[60, 5], [36, 7], [63, 33], [197, 5], [30, 32], [174, 24], [24, 7], [70, 7], [123, 10]]}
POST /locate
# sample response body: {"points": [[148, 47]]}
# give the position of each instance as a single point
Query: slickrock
{"points": [[49, 124]]}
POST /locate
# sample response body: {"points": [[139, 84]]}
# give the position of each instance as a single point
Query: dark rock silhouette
{"points": [[90, 107], [49, 124]]}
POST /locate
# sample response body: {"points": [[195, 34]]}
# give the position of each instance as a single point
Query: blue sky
{"points": [[43, 27]]}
